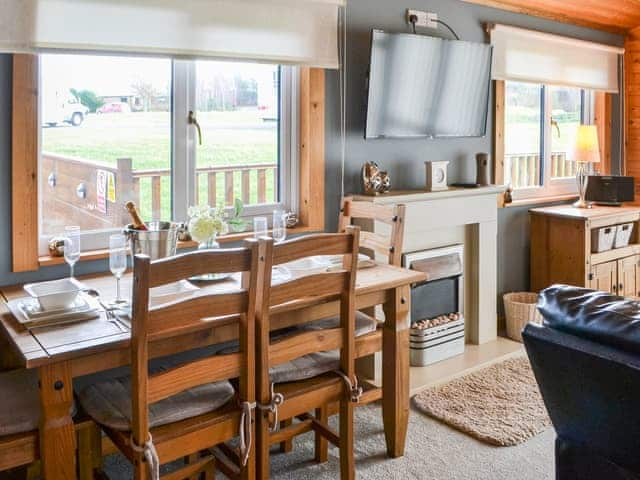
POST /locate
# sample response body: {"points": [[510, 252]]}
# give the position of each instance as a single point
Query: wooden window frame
{"points": [[24, 164], [602, 119]]}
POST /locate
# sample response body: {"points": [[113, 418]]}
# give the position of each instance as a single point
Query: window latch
{"points": [[554, 123], [192, 120]]}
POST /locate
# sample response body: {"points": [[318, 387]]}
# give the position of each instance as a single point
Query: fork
{"points": [[111, 317]]}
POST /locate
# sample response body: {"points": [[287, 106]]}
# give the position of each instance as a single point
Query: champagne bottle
{"points": [[136, 221]]}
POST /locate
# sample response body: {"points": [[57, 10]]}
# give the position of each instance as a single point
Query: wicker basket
{"points": [[520, 309]]}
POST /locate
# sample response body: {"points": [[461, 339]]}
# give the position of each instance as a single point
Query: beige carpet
{"points": [[500, 405], [434, 451]]}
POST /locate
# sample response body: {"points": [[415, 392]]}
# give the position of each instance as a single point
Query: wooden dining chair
{"points": [[301, 370], [181, 410], [385, 244], [19, 421], [19, 417], [368, 215]]}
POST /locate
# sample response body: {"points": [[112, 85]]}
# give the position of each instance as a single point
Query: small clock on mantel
{"points": [[436, 176]]}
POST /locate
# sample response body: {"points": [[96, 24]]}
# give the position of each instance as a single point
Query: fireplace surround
{"points": [[466, 216]]}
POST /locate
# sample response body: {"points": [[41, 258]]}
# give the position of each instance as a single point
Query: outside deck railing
{"points": [[211, 174], [70, 193], [524, 168]]}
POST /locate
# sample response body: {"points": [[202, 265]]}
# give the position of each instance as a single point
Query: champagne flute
{"points": [[259, 227], [118, 261], [279, 230], [71, 246]]}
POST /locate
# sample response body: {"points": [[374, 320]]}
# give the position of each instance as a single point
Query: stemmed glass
{"points": [[279, 231], [71, 246], [118, 261]]}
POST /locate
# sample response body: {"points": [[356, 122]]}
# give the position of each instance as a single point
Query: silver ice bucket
{"points": [[157, 242]]}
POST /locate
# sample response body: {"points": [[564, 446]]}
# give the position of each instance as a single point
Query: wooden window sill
{"points": [[47, 260], [541, 200]]}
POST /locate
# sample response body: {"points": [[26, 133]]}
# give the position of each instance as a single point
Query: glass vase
{"points": [[209, 244]]}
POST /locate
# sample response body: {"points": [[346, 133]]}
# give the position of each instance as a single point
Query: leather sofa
{"points": [[586, 359]]}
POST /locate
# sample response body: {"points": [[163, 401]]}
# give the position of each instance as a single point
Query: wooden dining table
{"points": [[64, 352]]}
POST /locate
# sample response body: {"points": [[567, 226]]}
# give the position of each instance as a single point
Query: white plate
{"points": [[324, 262], [171, 292], [32, 309], [309, 263], [92, 310]]}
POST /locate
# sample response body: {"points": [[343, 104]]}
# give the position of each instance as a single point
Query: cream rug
{"points": [[500, 405]]}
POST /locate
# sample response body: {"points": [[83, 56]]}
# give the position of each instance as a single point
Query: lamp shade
{"points": [[587, 149]]}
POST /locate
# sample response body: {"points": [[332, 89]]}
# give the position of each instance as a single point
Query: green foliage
{"points": [[235, 222], [88, 98]]}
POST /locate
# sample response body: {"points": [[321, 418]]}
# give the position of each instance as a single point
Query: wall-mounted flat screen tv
{"points": [[421, 86]]}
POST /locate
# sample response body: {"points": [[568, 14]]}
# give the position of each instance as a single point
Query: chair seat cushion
{"points": [[305, 367], [364, 324], [109, 403], [314, 364], [20, 411]]}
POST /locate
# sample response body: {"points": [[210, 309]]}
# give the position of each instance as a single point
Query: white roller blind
{"points": [[302, 32], [526, 55]]}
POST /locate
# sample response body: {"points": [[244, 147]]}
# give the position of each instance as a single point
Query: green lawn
{"points": [[229, 138]]}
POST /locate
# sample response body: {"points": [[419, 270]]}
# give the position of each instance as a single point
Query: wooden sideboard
{"points": [[561, 249]]}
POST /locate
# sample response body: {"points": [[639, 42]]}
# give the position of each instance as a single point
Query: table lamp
{"points": [[586, 151]]}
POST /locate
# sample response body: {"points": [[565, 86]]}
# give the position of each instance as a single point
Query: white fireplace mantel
{"points": [[457, 215]]}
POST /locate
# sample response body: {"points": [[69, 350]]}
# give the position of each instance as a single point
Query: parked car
{"points": [[268, 113], [115, 107], [61, 107]]}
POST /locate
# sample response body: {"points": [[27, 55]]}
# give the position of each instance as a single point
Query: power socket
{"points": [[425, 19]]}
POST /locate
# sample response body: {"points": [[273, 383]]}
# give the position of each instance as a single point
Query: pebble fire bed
{"points": [[434, 339]]}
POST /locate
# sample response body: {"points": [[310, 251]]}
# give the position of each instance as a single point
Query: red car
{"points": [[114, 107]]}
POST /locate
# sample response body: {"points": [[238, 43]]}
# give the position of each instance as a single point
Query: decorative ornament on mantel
{"points": [[374, 180], [436, 176]]}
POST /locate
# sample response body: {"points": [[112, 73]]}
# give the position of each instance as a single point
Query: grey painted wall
{"points": [[403, 158]]}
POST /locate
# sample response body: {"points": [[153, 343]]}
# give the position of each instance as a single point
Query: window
{"points": [[163, 133], [539, 131]]}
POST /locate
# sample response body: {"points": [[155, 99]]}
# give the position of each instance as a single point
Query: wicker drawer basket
{"points": [[520, 309]]}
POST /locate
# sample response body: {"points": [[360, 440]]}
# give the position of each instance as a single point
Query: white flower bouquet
{"points": [[205, 222]]}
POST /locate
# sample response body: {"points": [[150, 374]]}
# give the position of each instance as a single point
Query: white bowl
{"points": [[56, 294]]}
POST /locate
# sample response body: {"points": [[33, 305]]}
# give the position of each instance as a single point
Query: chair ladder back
{"points": [[187, 315], [173, 269], [176, 318], [312, 245], [308, 290], [390, 245], [140, 350], [262, 329], [348, 311], [342, 338]]}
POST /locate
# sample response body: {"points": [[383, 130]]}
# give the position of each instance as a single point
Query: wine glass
{"points": [[118, 261], [279, 230], [259, 227], [71, 246]]}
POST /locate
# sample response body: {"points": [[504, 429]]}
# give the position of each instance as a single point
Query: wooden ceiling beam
{"points": [[616, 16]]}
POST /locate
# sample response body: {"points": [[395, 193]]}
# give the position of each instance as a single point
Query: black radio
{"points": [[610, 190]]}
